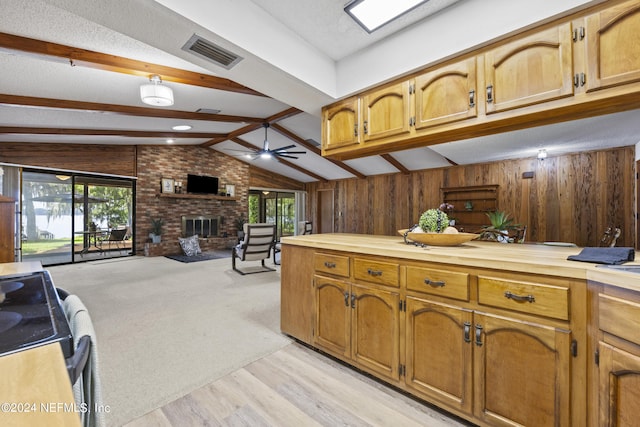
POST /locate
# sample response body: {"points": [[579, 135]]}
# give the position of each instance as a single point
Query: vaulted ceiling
{"points": [[71, 71]]}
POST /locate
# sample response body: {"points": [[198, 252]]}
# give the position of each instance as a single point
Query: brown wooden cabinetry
{"points": [[446, 95], [534, 69], [341, 125], [7, 227], [613, 46], [386, 112], [619, 359], [482, 343], [471, 204]]}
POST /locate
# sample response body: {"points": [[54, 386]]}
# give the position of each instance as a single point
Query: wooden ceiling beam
{"points": [[119, 64], [30, 101], [396, 164], [250, 128], [104, 132]]}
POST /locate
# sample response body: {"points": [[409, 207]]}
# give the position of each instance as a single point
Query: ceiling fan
{"points": [[266, 153]]}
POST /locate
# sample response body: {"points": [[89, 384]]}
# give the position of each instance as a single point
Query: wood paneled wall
{"points": [[108, 159], [262, 178], [571, 198]]}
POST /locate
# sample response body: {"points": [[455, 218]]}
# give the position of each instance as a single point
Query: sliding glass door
{"points": [[274, 207], [69, 218]]}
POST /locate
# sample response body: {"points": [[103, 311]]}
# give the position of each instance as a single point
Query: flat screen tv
{"points": [[202, 184]]}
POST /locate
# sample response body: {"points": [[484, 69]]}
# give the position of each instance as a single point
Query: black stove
{"points": [[31, 314]]}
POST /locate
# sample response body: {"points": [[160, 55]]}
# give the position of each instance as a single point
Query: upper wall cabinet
{"points": [[386, 112], [530, 70], [340, 122], [613, 46], [447, 94]]}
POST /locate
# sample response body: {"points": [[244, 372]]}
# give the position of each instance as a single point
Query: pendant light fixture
{"points": [[155, 93]]}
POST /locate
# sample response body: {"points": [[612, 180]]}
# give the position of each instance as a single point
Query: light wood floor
{"points": [[296, 387]]}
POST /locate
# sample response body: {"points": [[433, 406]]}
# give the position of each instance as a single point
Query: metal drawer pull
{"points": [[472, 98], [353, 301], [467, 331], [346, 298], [435, 283], [330, 264], [374, 273], [479, 335], [519, 298]]}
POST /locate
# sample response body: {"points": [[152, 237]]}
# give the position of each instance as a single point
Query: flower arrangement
{"points": [[434, 221]]}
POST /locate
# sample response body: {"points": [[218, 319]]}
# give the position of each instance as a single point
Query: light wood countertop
{"points": [[526, 258], [36, 390], [11, 268]]}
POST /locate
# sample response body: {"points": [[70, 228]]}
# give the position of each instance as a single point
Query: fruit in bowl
{"points": [[433, 220]]}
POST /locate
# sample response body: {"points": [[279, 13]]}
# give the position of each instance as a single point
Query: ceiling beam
{"points": [[30, 101], [250, 128], [396, 164], [104, 132], [252, 147], [119, 64], [315, 150]]}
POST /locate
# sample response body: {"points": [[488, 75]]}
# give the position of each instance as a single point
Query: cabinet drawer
{"points": [[438, 282], [384, 273], [526, 297], [619, 317], [332, 264]]}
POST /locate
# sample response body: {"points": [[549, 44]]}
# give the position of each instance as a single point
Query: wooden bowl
{"points": [[442, 239]]}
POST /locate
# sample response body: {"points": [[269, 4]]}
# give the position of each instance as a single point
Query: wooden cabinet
{"points": [[471, 204], [297, 293], [354, 321], [495, 347], [522, 372], [386, 112], [619, 359], [534, 69], [619, 389], [446, 94], [613, 46], [340, 124], [439, 352], [7, 229]]}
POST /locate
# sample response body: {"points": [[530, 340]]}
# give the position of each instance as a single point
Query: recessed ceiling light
{"points": [[373, 14], [170, 141], [181, 127]]}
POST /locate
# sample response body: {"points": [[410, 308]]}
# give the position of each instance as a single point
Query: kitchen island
{"points": [[499, 334]]}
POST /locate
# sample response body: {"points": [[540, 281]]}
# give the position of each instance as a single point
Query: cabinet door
{"points": [[297, 293], [439, 364], [446, 95], [522, 372], [619, 387], [531, 70], [340, 125], [613, 46], [376, 330], [331, 332], [386, 112]]}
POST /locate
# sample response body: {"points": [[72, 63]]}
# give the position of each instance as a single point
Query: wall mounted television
{"points": [[202, 184]]}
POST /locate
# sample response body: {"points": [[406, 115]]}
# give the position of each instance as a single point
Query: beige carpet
{"points": [[165, 328]]}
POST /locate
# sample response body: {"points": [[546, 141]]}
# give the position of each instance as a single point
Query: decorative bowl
{"points": [[442, 239]]}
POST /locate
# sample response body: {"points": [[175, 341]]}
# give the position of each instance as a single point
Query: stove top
{"points": [[31, 314]]}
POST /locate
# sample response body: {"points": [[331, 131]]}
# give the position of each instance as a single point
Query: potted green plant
{"points": [[501, 223], [156, 230], [239, 224]]}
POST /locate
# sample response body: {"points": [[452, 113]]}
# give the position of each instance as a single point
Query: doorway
{"points": [[67, 217], [325, 211], [274, 207]]}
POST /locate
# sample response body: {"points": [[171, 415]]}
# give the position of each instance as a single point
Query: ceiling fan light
{"points": [[155, 93], [266, 155]]}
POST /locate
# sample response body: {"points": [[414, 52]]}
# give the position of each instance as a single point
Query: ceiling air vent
{"points": [[211, 52]]}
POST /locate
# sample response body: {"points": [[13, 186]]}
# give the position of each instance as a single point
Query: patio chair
{"points": [[117, 237], [256, 246], [304, 227]]}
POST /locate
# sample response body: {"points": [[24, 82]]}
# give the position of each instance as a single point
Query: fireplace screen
{"points": [[203, 226]]}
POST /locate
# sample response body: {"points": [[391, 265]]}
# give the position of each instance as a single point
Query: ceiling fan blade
{"points": [[293, 152], [283, 148], [286, 155]]}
